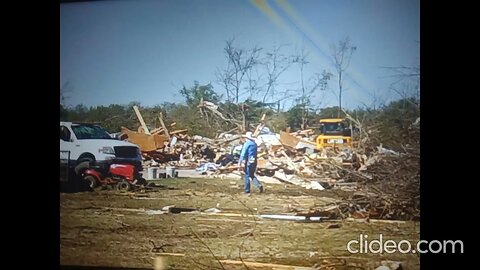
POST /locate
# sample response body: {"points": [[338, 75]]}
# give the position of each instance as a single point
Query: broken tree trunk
{"points": [[214, 109]]}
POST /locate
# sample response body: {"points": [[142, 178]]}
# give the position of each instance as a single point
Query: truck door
{"points": [[68, 143]]}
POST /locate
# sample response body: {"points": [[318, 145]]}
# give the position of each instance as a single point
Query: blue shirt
{"points": [[248, 153]]}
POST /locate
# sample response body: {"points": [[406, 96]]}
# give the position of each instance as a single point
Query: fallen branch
{"points": [[211, 252], [156, 248], [214, 109]]}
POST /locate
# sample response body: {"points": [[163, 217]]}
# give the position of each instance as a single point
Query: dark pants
{"points": [[250, 174]]}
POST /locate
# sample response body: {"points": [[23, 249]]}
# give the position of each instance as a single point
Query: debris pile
{"points": [[378, 184]]}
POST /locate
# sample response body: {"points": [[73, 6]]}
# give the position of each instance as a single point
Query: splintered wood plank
{"points": [[288, 140], [140, 118], [165, 130], [269, 265], [178, 131]]}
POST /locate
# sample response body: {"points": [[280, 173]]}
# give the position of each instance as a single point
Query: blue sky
{"points": [[115, 52]]}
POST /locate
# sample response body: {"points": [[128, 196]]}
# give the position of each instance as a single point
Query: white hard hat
{"points": [[248, 135]]}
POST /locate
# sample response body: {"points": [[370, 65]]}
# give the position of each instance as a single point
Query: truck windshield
{"points": [[84, 132], [332, 128]]}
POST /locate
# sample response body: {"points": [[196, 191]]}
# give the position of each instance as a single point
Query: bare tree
{"points": [[253, 78], [307, 88], [403, 72], [378, 101], [342, 54], [249, 72], [284, 97], [275, 64], [64, 90], [223, 78], [407, 79], [239, 64]]}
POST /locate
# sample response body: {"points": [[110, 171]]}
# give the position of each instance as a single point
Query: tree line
{"points": [[250, 84]]}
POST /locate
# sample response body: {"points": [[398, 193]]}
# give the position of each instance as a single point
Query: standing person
{"points": [[249, 155]]}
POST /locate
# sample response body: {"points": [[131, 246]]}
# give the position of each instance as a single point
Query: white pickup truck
{"points": [[90, 142]]}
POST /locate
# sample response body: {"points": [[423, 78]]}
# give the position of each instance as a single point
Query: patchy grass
{"points": [[110, 228]]}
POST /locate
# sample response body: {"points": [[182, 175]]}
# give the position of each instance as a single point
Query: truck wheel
{"points": [[92, 181], [81, 167], [123, 186]]}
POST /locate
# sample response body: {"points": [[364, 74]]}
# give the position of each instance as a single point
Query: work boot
{"points": [[261, 189]]}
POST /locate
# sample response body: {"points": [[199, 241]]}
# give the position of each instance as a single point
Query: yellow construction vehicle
{"points": [[334, 132]]}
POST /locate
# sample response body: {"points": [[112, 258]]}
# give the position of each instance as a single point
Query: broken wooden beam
{"points": [[140, 118], [263, 265], [178, 131], [146, 142], [156, 131], [260, 126], [165, 130], [290, 162], [171, 254]]}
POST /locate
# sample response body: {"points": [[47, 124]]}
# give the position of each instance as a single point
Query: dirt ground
{"points": [[113, 228]]}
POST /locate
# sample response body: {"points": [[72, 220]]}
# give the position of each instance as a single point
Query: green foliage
{"points": [[395, 122], [189, 118], [295, 114], [391, 125], [63, 113], [197, 92], [252, 110], [111, 117], [330, 112], [255, 110], [278, 122]]}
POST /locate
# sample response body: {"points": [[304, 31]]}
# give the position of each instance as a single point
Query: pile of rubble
{"points": [[381, 185]]}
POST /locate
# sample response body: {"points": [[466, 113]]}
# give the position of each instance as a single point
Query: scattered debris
{"points": [[212, 210], [379, 183], [293, 218], [155, 212], [266, 265]]}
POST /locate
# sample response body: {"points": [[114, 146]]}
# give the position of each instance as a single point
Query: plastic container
{"points": [[151, 173], [170, 172]]}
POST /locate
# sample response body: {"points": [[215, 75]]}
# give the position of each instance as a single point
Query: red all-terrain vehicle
{"points": [[123, 176]]}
